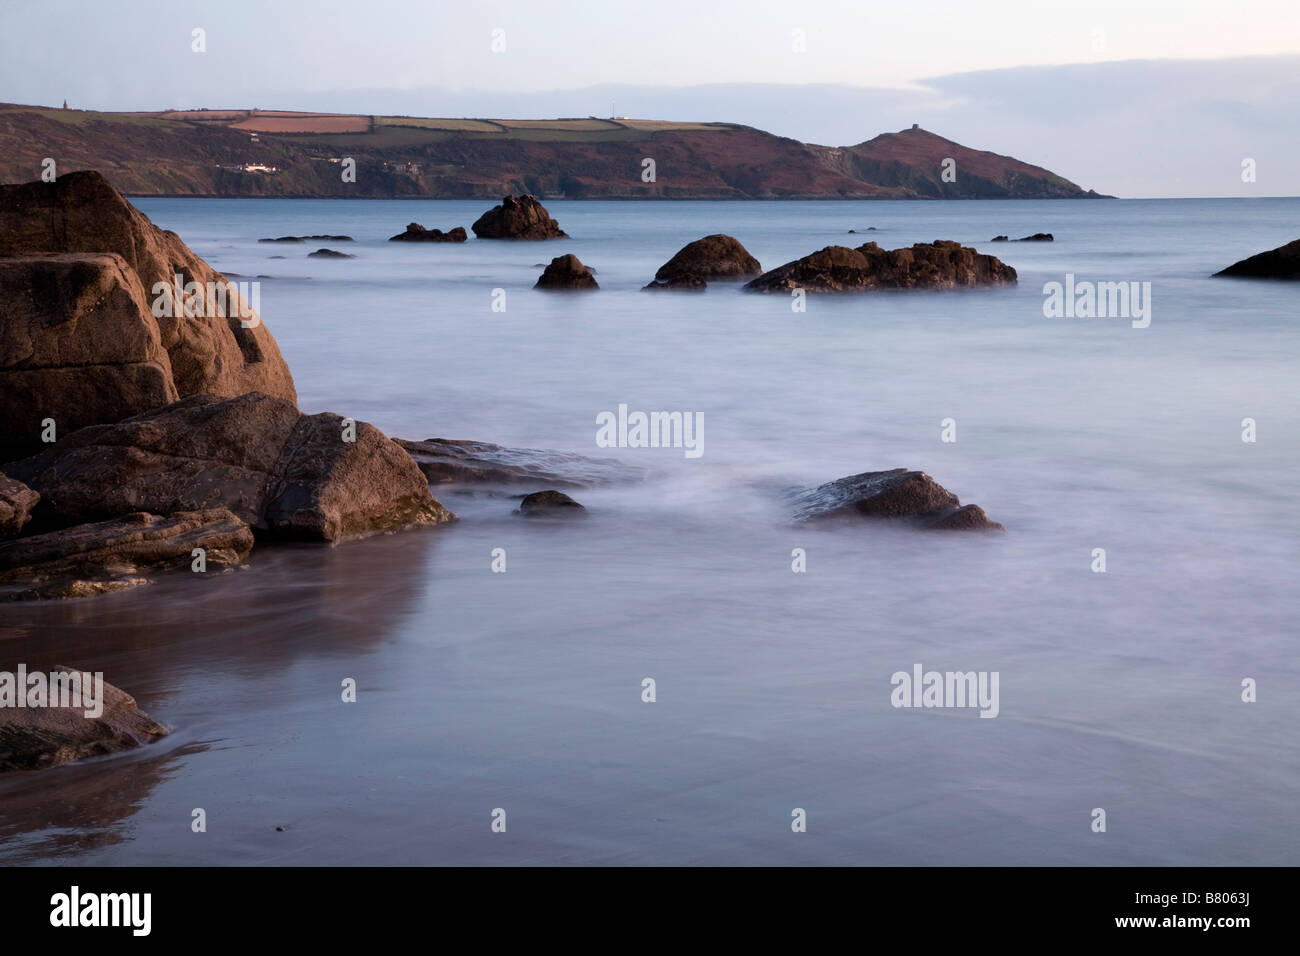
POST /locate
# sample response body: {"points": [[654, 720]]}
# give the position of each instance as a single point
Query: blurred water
{"points": [[522, 690]]}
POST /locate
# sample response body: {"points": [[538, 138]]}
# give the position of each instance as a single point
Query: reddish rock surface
{"points": [[80, 342], [34, 738], [16, 504], [111, 555], [82, 213]]}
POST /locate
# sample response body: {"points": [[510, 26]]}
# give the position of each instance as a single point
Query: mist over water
{"points": [[522, 690]]}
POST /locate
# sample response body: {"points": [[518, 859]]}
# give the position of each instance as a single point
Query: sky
{"points": [[1130, 97]]}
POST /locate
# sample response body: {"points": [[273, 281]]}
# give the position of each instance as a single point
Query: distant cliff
{"points": [[270, 153]]}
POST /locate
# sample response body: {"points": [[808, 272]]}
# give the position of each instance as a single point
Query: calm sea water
{"points": [[522, 690]]}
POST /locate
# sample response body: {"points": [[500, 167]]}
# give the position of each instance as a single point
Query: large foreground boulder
{"points": [[111, 555], [713, 257], [566, 274], [95, 337], [899, 494], [16, 504], [78, 346], [317, 477], [417, 233], [937, 265], [1280, 263], [518, 217], [33, 738]]}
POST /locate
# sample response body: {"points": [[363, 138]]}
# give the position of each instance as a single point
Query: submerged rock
{"points": [[566, 273], [549, 503], [713, 257], [318, 477], [417, 233], [1280, 263], [518, 217], [79, 341], [34, 738], [1037, 237], [16, 504], [900, 494], [455, 461], [329, 254], [306, 238], [999, 239], [110, 555], [837, 269], [679, 283]]}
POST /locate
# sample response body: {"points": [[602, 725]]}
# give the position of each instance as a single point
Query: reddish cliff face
{"points": [[214, 154], [916, 160]]}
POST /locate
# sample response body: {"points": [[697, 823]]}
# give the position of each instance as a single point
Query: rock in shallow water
{"points": [[417, 233], [315, 477], [1280, 263], [549, 504], [566, 273], [713, 257], [34, 738], [678, 283], [937, 265], [305, 238], [899, 493], [451, 461], [111, 555], [518, 217]]}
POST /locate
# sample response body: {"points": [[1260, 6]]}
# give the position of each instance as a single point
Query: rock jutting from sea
{"points": [[566, 274], [901, 494], [518, 217], [838, 269], [417, 233], [1280, 263], [716, 257]]}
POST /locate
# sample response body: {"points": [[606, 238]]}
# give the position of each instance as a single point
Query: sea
{"points": [[686, 676]]}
